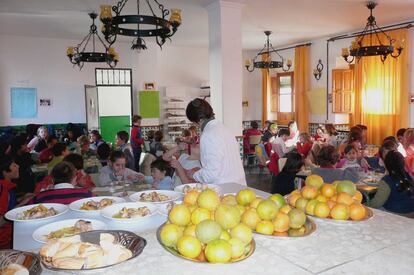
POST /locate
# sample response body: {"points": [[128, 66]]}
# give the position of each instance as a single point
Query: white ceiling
{"points": [[292, 21]]}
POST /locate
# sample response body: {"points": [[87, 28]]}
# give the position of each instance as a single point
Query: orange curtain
{"points": [[381, 91], [266, 86], [301, 86]]}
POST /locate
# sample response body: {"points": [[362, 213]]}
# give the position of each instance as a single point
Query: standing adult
{"points": [[137, 140], [219, 150]]}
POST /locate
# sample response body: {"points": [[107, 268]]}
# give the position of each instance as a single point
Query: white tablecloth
{"points": [[382, 245]]}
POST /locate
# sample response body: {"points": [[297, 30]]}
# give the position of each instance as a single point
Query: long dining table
{"points": [[381, 245]]}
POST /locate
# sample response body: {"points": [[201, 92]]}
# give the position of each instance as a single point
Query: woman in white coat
{"points": [[219, 150]]}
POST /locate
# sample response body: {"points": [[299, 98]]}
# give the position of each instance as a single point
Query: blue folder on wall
{"points": [[23, 102]]}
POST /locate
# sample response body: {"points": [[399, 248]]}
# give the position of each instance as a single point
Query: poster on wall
{"points": [[45, 102], [23, 102]]}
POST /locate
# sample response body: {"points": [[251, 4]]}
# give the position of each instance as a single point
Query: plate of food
{"points": [[91, 250], [94, 204], [19, 262], [184, 188], [155, 196], [36, 212], [66, 228], [129, 211], [164, 209]]}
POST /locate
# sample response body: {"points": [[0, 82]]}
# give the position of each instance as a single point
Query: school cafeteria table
{"points": [[380, 245]]}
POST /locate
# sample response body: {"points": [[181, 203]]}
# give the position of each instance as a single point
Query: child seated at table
{"points": [[156, 147], [304, 144], [82, 179], [46, 155], [160, 178], [64, 191], [122, 138], [83, 147], [59, 150], [350, 159], [116, 170], [103, 152], [284, 182], [394, 190], [9, 171], [327, 158]]}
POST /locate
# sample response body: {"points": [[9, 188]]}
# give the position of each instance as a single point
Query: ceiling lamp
{"points": [[360, 48], [267, 64], [153, 25], [78, 55]]}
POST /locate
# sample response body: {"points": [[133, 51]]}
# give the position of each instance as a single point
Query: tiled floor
{"points": [[257, 179]]}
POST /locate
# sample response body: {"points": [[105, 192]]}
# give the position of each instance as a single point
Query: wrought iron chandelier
{"points": [[78, 55], [269, 63], [153, 25], [358, 49]]}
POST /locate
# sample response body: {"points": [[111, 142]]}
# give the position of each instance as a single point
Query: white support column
{"points": [[226, 76]]}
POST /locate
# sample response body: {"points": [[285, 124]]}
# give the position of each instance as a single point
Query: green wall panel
{"points": [[149, 104], [110, 125]]}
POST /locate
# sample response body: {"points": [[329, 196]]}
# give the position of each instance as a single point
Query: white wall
{"points": [[42, 63]]}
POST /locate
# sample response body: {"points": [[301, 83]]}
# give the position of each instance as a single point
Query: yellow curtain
{"points": [[266, 86], [381, 92], [301, 86]]}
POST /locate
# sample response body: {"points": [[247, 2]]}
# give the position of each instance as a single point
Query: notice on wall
{"points": [[23, 102], [149, 104]]}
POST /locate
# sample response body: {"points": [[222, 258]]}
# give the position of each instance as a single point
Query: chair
{"points": [[261, 156], [251, 156]]}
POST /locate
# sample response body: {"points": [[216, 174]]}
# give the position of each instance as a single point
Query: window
{"points": [[285, 93], [283, 97]]}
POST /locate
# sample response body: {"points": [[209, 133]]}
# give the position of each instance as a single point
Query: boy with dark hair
{"points": [[161, 173], [279, 145], [122, 144], [156, 147], [9, 171], [137, 139], [103, 152], [64, 191], [82, 178], [59, 150]]}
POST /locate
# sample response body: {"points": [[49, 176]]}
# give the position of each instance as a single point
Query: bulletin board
{"points": [[149, 104], [23, 102]]}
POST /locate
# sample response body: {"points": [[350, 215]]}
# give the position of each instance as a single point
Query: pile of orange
{"points": [[339, 200], [268, 216]]}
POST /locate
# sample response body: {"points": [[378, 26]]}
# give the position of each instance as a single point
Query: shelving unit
{"points": [[176, 118]]}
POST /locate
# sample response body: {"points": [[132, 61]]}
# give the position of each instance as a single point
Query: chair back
{"points": [[261, 155], [254, 140]]}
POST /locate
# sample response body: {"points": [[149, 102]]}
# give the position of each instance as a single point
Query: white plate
{"points": [[76, 205], [41, 233], [163, 208], [13, 214], [173, 196], [109, 211], [215, 187]]}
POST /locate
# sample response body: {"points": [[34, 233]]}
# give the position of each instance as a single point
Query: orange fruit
{"points": [[330, 203], [358, 196], [340, 212], [296, 191], [180, 215], [315, 181], [255, 202], [321, 198], [189, 246], [346, 186], [281, 222], [280, 234], [334, 198], [191, 197], [328, 190], [309, 192], [345, 198], [357, 211], [245, 196], [265, 227], [285, 209], [278, 199], [322, 210], [293, 198], [301, 203], [310, 207]]}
